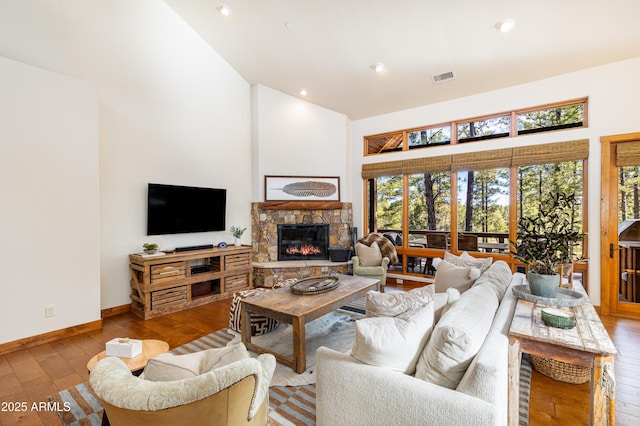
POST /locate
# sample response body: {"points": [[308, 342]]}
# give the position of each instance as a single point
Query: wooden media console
{"points": [[176, 281]]}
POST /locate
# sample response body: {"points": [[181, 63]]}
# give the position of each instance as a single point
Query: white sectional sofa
{"points": [[350, 392]]}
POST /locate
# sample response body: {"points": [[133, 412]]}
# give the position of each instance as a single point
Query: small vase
{"points": [[237, 242], [543, 285]]}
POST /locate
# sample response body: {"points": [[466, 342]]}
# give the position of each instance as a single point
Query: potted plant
{"points": [[150, 248], [546, 241], [237, 234]]}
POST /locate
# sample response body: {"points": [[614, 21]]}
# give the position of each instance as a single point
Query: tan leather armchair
{"points": [[235, 394]]}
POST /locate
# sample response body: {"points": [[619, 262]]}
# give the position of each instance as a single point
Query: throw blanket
{"points": [[386, 246]]}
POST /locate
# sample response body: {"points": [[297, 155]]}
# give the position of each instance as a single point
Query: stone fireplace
{"points": [[270, 267], [303, 241]]}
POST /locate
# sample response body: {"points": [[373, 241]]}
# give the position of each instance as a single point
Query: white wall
{"points": [[49, 220], [296, 138], [171, 110], [613, 92]]}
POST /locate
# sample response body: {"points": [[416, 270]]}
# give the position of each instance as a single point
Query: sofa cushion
{"points": [[496, 278], [168, 367], [465, 259], [369, 255], [458, 277], [457, 338], [393, 342], [397, 302]]}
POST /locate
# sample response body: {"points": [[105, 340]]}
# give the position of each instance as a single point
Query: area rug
{"points": [[288, 405], [335, 330]]}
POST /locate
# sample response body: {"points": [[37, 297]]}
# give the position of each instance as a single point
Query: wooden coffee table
{"points": [[298, 310], [150, 349]]}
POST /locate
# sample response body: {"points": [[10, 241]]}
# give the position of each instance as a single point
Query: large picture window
{"points": [[470, 201]]}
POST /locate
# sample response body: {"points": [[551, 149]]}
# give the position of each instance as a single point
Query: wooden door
{"points": [[612, 300]]}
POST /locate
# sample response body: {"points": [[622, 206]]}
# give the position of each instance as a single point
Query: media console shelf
{"points": [[164, 284]]}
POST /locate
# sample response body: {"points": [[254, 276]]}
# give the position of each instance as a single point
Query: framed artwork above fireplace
{"points": [[302, 188]]}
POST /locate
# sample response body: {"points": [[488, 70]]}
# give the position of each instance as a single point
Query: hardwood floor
{"points": [[30, 376]]}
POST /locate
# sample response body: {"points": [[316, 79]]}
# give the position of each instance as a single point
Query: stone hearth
{"points": [[267, 270]]}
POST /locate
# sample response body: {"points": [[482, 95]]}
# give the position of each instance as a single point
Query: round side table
{"points": [[150, 349]]}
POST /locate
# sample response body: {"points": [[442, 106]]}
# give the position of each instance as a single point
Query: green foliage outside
{"points": [[429, 206], [628, 193], [483, 195]]}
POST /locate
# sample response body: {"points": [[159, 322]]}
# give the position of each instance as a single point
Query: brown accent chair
{"points": [[235, 394]]}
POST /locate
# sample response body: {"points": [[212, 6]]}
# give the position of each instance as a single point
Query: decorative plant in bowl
{"points": [[150, 248], [546, 241], [237, 234]]}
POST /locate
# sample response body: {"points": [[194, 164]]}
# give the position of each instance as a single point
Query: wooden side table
{"points": [[150, 349], [587, 344]]}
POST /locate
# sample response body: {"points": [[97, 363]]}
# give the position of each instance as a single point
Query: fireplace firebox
{"points": [[303, 242]]}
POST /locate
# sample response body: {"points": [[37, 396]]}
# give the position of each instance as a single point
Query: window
{"points": [[629, 193], [544, 118], [562, 117], [483, 210], [536, 182], [389, 197], [490, 128], [384, 143], [429, 136], [464, 202]]}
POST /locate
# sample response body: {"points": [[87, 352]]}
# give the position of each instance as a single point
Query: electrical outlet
{"points": [[49, 311], [399, 281]]}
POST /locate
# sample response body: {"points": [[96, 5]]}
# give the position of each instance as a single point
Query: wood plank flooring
{"points": [[30, 376]]}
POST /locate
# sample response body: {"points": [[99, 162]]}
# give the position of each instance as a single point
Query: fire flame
{"points": [[304, 250]]}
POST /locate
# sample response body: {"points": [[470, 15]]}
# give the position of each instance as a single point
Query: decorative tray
{"points": [[315, 285], [564, 297]]}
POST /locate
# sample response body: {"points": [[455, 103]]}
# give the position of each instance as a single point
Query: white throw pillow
{"points": [[168, 367], [497, 278], [458, 277], [397, 302], [465, 259], [393, 342], [457, 338], [369, 255]]}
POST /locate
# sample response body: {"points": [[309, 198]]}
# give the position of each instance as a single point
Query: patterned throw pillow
{"points": [[259, 324], [465, 259], [397, 302]]}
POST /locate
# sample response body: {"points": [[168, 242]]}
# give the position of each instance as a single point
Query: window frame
{"points": [[403, 144], [519, 158]]}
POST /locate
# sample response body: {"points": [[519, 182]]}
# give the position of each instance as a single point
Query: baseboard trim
{"points": [[116, 310], [52, 336]]}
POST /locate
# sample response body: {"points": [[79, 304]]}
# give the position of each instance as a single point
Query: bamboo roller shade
{"points": [[628, 154], [482, 160]]}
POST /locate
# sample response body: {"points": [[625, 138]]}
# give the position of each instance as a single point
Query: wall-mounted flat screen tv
{"points": [[175, 209]]}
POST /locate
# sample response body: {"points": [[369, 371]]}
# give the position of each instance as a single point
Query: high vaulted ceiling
{"points": [[328, 46]]}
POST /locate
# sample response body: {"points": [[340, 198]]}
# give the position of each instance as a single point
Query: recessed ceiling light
{"points": [[224, 10], [505, 25], [288, 25], [378, 67], [303, 92]]}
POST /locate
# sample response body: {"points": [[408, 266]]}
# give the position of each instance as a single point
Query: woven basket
{"points": [[561, 371]]}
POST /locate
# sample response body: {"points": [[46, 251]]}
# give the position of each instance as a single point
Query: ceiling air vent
{"points": [[441, 78]]}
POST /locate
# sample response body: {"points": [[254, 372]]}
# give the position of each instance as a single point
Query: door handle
{"points": [[611, 250]]}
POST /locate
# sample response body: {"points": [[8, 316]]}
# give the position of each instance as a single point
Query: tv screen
{"points": [[175, 209]]}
